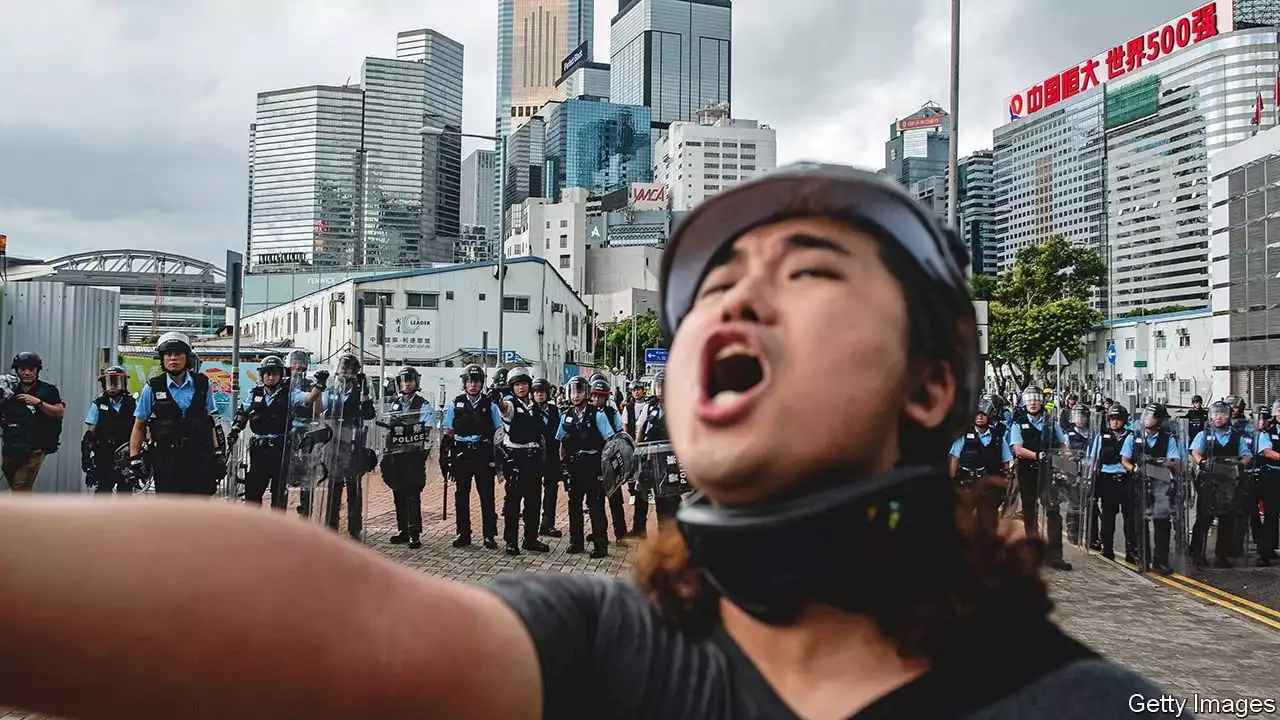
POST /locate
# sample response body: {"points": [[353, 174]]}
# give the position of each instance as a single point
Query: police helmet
{"points": [[600, 386], [987, 405], [271, 363], [1154, 415], [172, 342], [577, 386], [659, 381], [1219, 408], [299, 359], [1197, 399], [348, 365], [114, 378], [27, 359], [407, 380], [998, 403], [598, 376], [1117, 411], [1234, 401], [541, 385], [1262, 412], [472, 372], [1073, 396], [1080, 412], [519, 374], [500, 376], [1032, 394], [637, 385]]}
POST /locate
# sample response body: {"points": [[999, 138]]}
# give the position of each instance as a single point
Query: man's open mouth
{"points": [[733, 369]]}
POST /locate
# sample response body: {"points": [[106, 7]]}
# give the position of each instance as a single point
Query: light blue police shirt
{"points": [[426, 415], [494, 414], [246, 406], [1202, 439], [1015, 429], [1126, 451], [602, 424], [1174, 452], [1263, 442], [91, 417], [181, 393], [1006, 452]]}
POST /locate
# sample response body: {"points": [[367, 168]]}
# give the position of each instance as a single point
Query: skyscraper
{"points": [[477, 191], [698, 160], [672, 56], [412, 181], [917, 146], [977, 211], [304, 182], [597, 145]]}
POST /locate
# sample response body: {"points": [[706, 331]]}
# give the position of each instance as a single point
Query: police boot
{"points": [[513, 549], [415, 542], [1222, 564], [491, 543], [600, 550], [1263, 561], [574, 548], [1059, 564], [536, 545], [462, 541], [550, 532], [400, 538]]}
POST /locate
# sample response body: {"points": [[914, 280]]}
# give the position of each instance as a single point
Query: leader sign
{"points": [[1202, 23]]}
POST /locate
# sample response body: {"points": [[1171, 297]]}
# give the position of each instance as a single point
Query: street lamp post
{"points": [[500, 144], [953, 149]]}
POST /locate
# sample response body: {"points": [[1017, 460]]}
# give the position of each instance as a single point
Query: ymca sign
{"points": [[648, 196]]}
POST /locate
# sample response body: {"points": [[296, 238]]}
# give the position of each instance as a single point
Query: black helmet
{"points": [[500, 376], [1197, 399], [637, 385], [271, 362], [1220, 407], [1033, 393], [1118, 411], [173, 342], [576, 384], [405, 376], [987, 405], [27, 359], [114, 377], [348, 364], [519, 374], [541, 384], [1262, 412], [472, 372], [299, 358], [600, 386], [1156, 413], [1080, 411]]}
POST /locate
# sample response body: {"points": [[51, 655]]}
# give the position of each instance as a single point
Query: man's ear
{"points": [[930, 402]]}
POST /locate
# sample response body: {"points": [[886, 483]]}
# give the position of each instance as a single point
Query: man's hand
{"points": [[31, 400], [322, 378], [219, 466], [233, 436]]}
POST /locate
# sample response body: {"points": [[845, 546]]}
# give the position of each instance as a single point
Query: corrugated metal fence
{"points": [[69, 327]]}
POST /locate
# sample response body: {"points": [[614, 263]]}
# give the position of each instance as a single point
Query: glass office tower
{"points": [[597, 145]]}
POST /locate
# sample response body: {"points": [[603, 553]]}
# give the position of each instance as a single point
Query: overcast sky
{"points": [[124, 123]]}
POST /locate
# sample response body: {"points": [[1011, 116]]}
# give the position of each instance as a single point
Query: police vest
{"points": [[1032, 438], [413, 408], [1077, 440], [580, 431], [988, 458], [550, 425], [351, 410], [1112, 443], [468, 420], [1274, 434], [169, 426], [114, 426], [1231, 448], [1151, 454], [25, 429], [269, 418], [655, 427], [525, 425], [1195, 421]]}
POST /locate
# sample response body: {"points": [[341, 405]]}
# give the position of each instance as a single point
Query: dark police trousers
{"points": [[1118, 495], [585, 485], [266, 469], [550, 491], [1265, 526], [105, 472], [523, 498], [618, 511], [406, 475], [666, 506], [1029, 489], [1204, 519], [981, 494], [355, 504], [182, 471], [473, 462]]}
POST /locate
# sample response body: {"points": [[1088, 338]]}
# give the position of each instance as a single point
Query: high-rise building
{"points": [[597, 145], [1256, 13], [672, 56], [526, 151], [586, 80], [977, 211], [918, 145], [473, 245], [696, 160], [477, 191], [412, 181], [534, 37], [305, 192]]}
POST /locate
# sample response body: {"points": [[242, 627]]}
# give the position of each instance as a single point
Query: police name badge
{"points": [[162, 396], [103, 407]]}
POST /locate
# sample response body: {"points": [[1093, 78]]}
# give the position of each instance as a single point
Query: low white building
{"points": [[438, 320], [1244, 267], [697, 160], [555, 232], [1163, 358]]}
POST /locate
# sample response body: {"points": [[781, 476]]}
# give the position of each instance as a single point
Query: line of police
{"points": [[1095, 473]]}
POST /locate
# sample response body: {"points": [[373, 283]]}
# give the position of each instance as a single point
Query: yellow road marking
{"points": [[1220, 603], [1227, 596]]}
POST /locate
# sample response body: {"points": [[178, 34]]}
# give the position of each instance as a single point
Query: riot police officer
{"points": [[1157, 447], [980, 461], [348, 407], [634, 412], [1239, 421], [1084, 495], [1267, 488], [1027, 438], [406, 472], [304, 396], [1218, 441], [1113, 450], [523, 455], [32, 417], [602, 399], [549, 413], [106, 427], [654, 429], [500, 387], [265, 410], [584, 428], [466, 455], [1196, 417], [178, 409]]}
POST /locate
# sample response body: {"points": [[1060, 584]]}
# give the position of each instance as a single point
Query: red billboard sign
{"points": [[917, 123], [1207, 21]]}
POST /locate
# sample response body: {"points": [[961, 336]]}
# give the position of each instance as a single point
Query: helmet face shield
{"points": [[1032, 396], [1080, 416], [1220, 413], [576, 390], [1150, 419], [406, 384], [115, 382]]}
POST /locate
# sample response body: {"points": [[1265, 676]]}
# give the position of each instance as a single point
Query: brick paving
{"points": [[1183, 644]]}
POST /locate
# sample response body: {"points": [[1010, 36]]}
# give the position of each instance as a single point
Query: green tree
{"points": [[982, 287], [616, 340], [1143, 312], [1042, 303]]}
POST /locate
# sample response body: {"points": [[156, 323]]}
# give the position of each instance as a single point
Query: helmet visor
{"points": [[1031, 396], [115, 382], [1150, 419], [406, 384]]}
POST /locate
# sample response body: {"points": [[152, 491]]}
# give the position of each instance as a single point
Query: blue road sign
{"points": [[655, 356], [1111, 353], [510, 356]]}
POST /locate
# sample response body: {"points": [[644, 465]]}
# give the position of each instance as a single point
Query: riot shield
{"points": [[308, 434], [1160, 505], [658, 469], [347, 458], [141, 483], [617, 462], [236, 465], [1078, 471], [403, 431]]}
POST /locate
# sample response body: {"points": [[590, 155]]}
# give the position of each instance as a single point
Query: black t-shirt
{"points": [[605, 653], [46, 431]]}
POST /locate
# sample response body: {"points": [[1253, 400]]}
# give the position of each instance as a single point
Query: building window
{"points": [[371, 299], [1130, 386], [574, 325], [731, 144], [748, 167], [1162, 386], [516, 303], [713, 143], [423, 301], [481, 297], [712, 155], [564, 223], [1184, 341], [1184, 386], [564, 241], [564, 262], [548, 243], [748, 146], [692, 143], [1161, 341], [748, 156], [306, 318], [710, 187], [448, 294], [1129, 343], [712, 166]]}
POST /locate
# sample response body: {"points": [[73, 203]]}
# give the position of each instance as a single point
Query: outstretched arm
{"points": [[150, 628]]}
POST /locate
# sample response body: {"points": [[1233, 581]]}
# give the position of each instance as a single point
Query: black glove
{"points": [[90, 479], [322, 378], [233, 436], [495, 395], [137, 468], [219, 466], [86, 455]]}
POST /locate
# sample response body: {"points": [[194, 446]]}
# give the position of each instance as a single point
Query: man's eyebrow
{"points": [[807, 241]]}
